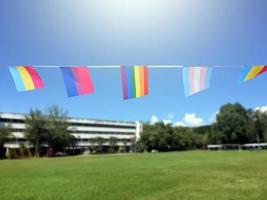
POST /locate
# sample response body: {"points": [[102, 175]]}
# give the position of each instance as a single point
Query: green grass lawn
{"points": [[170, 176]]}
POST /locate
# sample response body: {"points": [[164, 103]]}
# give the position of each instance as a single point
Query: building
{"points": [[82, 129]]}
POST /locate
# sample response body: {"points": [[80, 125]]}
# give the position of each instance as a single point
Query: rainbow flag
{"points": [[26, 78], [134, 81], [251, 72], [196, 79], [77, 81]]}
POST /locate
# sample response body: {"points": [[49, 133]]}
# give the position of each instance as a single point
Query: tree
{"points": [[5, 134], [260, 122], [214, 136], [113, 143], [58, 135], [138, 146], [100, 142], [265, 135], [36, 129], [235, 124]]}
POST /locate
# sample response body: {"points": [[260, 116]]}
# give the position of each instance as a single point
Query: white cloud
{"points": [[261, 108], [167, 121], [213, 117], [192, 120], [154, 119], [170, 116], [189, 119], [179, 123]]}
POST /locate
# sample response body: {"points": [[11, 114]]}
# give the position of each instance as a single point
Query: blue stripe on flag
{"points": [[208, 77], [129, 82], [186, 81], [243, 74], [69, 81], [17, 79]]}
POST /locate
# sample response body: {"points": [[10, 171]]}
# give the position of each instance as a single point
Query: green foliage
{"points": [[36, 129], [235, 124], [164, 137], [260, 121], [100, 143], [58, 136], [265, 136], [113, 141], [214, 137], [138, 146], [5, 134], [50, 129]]}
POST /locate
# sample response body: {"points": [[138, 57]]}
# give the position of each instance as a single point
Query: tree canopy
{"points": [[49, 129], [234, 125], [5, 134]]}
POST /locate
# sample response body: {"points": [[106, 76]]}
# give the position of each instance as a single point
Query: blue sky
{"points": [[151, 32]]}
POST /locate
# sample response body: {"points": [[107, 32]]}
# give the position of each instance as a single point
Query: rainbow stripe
{"points": [[251, 72], [196, 79], [77, 80], [134, 81], [26, 78]]}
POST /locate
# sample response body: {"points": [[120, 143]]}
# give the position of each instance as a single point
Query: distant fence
{"points": [[237, 146]]}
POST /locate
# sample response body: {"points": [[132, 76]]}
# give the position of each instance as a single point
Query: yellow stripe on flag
{"points": [[142, 85], [26, 78], [253, 72], [137, 80]]}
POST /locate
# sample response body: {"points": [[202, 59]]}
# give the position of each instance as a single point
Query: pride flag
{"points": [[251, 72], [196, 79], [77, 81], [26, 78], [134, 81]]}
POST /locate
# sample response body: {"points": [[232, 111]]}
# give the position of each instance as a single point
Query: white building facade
{"points": [[82, 129]]}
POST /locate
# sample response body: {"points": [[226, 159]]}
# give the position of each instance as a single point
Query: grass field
{"points": [[170, 176]]}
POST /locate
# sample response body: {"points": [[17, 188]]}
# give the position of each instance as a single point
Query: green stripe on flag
{"points": [[133, 81]]}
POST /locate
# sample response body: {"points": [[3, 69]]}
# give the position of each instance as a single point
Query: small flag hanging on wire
{"points": [[196, 79], [251, 72], [77, 81], [26, 78], [134, 81]]}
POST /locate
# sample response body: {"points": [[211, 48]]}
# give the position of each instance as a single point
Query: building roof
{"points": [[8, 115]]}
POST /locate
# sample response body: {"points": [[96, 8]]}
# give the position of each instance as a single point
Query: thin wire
{"points": [[118, 66]]}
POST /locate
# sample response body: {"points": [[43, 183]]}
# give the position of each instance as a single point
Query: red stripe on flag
{"points": [[36, 79], [264, 69], [145, 80]]}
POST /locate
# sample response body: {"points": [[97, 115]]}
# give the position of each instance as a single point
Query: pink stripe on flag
{"points": [[203, 72], [124, 84], [264, 69], [191, 80], [36, 79], [83, 80]]}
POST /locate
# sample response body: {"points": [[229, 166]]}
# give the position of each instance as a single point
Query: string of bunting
{"points": [[134, 79]]}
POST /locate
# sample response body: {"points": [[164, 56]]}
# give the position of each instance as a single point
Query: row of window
{"points": [[86, 132], [105, 140], [78, 140], [21, 121], [102, 133]]}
